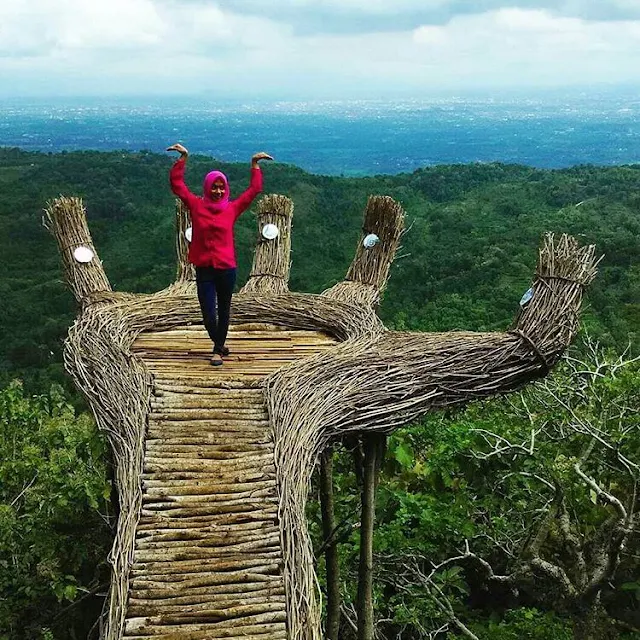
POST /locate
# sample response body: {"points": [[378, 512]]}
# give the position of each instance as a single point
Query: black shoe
{"points": [[214, 361]]}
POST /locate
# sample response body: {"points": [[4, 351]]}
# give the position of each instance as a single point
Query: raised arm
{"points": [[255, 185], [176, 175]]}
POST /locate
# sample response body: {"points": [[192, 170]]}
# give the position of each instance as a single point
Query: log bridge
{"points": [[213, 465]]}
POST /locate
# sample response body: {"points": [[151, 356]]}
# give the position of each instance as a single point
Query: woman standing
{"points": [[212, 249]]}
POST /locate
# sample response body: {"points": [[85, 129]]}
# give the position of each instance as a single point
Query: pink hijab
{"points": [[209, 179]]}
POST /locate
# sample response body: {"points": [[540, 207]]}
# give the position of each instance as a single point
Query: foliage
{"points": [[54, 509], [525, 624], [468, 254]]}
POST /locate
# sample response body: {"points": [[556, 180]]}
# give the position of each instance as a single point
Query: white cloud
{"points": [[42, 26], [173, 46], [208, 27], [385, 7], [430, 35]]}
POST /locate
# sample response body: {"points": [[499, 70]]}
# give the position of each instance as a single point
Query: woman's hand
{"points": [[261, 155], [179, 148]]}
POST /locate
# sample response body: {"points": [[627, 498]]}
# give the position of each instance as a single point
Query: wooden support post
{"points": [[373, 450], [332, 561]]}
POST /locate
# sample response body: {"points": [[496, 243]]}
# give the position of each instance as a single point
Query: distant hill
{"points": [[467, 257]]}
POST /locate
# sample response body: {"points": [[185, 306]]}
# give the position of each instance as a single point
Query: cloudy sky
{"points": [[301, 49]]}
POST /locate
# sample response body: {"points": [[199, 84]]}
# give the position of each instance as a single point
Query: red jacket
{"points": [[212, 223]]}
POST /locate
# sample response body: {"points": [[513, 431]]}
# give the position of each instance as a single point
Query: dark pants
{"points": [[215, 285]]}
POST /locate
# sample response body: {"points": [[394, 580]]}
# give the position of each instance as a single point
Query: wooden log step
{"points": [[269, 566], [202, 367], [162, 453], [206, 425], [198, 636], [187, 344], [194, 349], [247, 475], [205, 539], [160, 608], [207, 442], [226, 475], [251, 612], [168, 501], [171, 389], [224, 543], [209, 413], [273, 586], [215, 435], [187, 580], [191, 533], [212, 433], [234, 337], [153, 608], [165, 553], [205, 486], [239, 628], [230, 562], [187, 514], [240, 327], [206, 402], [179, 339], [208, 448], [224, 441], [265, 528], [250, 397], [256, 354], [218, 467], [261, 632], [215, 383], [181, 379], [224, 438], [207, 553], [205, 453], [198, 505], [152, 589], [198, 399], [160, 519], [245, 374], [191, 488], [183, 584], [243, 459]]}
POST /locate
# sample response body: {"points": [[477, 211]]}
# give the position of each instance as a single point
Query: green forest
{"points": [[515, 518]]}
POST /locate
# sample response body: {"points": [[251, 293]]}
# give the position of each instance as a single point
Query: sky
{"points": [[313, 49]]}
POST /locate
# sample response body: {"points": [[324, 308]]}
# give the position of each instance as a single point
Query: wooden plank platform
{"points": [[207, 557]]}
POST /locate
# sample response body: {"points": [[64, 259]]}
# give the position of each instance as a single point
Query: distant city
{"points": [[344, 138]]}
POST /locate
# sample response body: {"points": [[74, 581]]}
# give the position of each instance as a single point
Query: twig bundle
{"points": [[66, 219], [185, 271], [272, 259], [369, 270]]}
